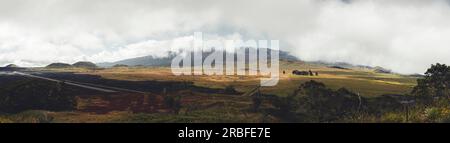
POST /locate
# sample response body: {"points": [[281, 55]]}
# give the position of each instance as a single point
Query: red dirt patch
{"points": [[136, 103]]}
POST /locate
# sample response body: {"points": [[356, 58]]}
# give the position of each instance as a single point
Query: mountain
{"points": [[166, 61], [382, 70], [58, 65], [348, 66], [84, 64], [336, 65], [141, 61], [11, 66]]}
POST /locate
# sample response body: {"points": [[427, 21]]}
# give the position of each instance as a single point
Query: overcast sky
{"points": [[403, 35]]}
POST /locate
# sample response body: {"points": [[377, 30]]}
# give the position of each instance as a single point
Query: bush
{"points": [[256, 100], [36, 95], [230, 90], [437, 115], [31, 116], [314, 102], [326, 105], [5, 120], [287, 109], [173, 103], [392, 118]]}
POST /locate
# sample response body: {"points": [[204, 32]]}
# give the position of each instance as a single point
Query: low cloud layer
{"points": [[403, 35]]}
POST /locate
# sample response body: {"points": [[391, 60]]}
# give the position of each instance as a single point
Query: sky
{"points": [[406, 36]]}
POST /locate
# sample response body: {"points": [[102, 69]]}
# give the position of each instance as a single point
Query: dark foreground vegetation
{"points": [[314, 102], [19, 94]]}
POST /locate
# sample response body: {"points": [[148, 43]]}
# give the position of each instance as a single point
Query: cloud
{"points": [[404, 35], [37, 33], [155, 48]]}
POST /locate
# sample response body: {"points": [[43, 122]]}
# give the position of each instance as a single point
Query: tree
{"points": [[436, 82]]}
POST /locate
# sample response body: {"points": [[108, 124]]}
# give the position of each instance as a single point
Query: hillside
{"points": [[58, 65], [11, 66], [84, 64], [166, 61]]}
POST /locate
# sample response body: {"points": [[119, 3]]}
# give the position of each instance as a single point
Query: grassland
{"points": [[204, 107], [364, 82]]}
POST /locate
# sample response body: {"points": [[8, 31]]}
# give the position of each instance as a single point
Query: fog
{"points": [[403, 35]]}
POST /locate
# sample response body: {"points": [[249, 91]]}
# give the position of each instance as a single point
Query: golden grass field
{"points": [[362, 81]]}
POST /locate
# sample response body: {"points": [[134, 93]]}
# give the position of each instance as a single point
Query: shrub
{"points": [[36, 95], [31, 116], [392, 118], [5, 120], [256, 103], [230, 89], [173, 103], [314, 102], [437, 114]]}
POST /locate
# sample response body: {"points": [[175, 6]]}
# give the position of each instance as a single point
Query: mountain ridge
{"points": [[167, 60]]}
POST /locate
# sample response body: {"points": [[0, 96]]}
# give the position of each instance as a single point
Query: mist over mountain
{"points": [[167, 60], [283, 55], [141, 61]]}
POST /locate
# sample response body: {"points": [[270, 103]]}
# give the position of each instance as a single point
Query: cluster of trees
{"points": [[310, 73]]}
